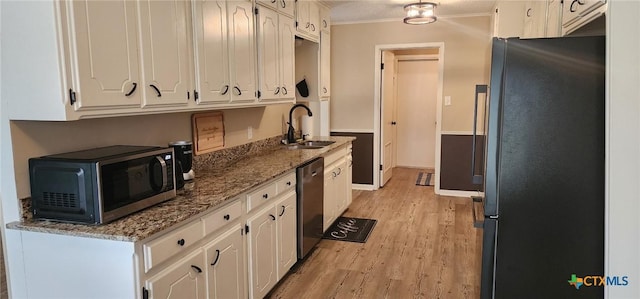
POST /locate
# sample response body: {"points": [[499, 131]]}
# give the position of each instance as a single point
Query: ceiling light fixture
{"points": [[420, 13]]}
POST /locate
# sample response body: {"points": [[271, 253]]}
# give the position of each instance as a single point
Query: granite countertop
{"points": [[212, 187]]}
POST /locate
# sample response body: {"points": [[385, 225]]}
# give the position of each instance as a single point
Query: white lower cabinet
{"points": [[225, 262], [287, 228], [182, 279], [337, 184], [262, 251]]}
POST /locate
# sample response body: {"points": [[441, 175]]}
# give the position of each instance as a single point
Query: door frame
{"points": [[377, 109]]}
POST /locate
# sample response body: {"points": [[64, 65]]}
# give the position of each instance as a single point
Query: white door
{"points": [[263, 252], [416, 103], [287, 57], [387, 113], [242, 60], [184, 279], [107, 68], [211, 45], [225, 258], [166, 52], [268, 54], [287, 228]]}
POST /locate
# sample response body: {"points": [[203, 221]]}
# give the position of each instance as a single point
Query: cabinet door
{"points": [[325, 65], [349, 180], [263, 252], [226, 269], [287, 57], [535, 19], [303, 23], [241, 51], [269, 3], [325, 19], [104, 51], [341, 188], [287, 228], [314, 19], [166, 52], [268, 54], [329, 205], [554, 19], [212, 56], [184, 279]]}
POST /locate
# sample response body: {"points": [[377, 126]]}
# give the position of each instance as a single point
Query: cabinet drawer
{"points": [[335, 155], [161, 249], [258, 197], [286, 183], [223, 216]]}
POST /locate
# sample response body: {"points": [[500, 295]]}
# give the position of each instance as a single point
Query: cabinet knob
{"points": [[529, 12], [571, 8], [217, 257], [158, 93], [324, 23], [196, 268], [181, 242], [313, 27], [265, 196], [288, 183], [238, 90], [284, 4], [272, 217], [324, 89], [283, 210], [277, 90], [284, 90], [225, 90], [226, 217]]}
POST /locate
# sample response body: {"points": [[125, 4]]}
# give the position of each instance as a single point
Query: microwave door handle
{"points": [[163, 165]]}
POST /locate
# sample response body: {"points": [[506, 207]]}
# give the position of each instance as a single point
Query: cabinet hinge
{"points": [[256, 10], [188, 95], [145, 293], [72, 96], [382, 66], [496, 10], [296, 24], [380, 166], [246, 229], [195, 95], [258, 94]]}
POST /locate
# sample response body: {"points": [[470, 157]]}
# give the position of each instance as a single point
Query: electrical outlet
{"points": [[250, 132], [447, 100]]}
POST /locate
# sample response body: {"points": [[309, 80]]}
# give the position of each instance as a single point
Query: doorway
{"points": [[408, 108]]}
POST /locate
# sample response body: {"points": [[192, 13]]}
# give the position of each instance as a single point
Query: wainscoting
{"points": [[362, 157], [455, 163]]}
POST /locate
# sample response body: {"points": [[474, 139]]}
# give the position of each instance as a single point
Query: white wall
{"points": [[623, 151]]}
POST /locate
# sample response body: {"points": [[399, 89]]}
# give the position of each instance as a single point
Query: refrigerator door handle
{"points": [[476, 179]]}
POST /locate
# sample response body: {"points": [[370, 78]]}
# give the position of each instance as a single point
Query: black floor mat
{"points": [[350, 229]]}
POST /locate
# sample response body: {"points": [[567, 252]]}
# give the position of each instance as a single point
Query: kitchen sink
{"points": [[309, 144]]}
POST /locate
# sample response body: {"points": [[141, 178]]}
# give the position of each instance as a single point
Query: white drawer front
{"points": [[161, 249], [256, 198], [220, 218], [288, 182]]}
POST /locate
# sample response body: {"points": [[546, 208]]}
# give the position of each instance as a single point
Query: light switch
{"points": [[447, 100]]}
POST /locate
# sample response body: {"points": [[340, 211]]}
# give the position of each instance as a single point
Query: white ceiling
{"points": [[346, 11]]}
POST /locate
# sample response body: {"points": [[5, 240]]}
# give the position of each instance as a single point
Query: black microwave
{"points": [[100, 185]]}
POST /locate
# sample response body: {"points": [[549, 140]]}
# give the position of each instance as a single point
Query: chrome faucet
{"points": [[291, 131]]}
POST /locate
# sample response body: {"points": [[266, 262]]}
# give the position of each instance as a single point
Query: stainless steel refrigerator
{"points": [[545, 168]]}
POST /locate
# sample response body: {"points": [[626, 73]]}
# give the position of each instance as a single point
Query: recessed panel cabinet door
{"points": [[263, 254], [287, 228], [325, 64], [226, 265], [184, 279], [210, 30], [287, 56], [268, 54], [104, 37], [166, 50], [242, 61]]}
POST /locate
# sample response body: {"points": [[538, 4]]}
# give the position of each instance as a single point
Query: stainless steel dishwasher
{"points": [[310, 188]]}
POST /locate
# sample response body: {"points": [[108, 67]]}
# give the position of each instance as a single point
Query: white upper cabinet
{"points": [[242, 51], [308, 20], [167, 54], [225, 52], [554, 18], [576, 13], [282, 6], [276, 58], [212, 48], [535, 19], [325, 19], [508, 19]]}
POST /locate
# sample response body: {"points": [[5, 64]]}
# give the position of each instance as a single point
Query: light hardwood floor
{"points": [[423, 246]]}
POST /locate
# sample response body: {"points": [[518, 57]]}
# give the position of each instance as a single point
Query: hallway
{"points": [[423, 246]]}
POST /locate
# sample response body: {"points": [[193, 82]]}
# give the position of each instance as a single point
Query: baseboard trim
{"points": [[459, 193], [362, 187]]}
